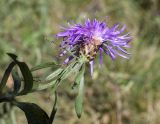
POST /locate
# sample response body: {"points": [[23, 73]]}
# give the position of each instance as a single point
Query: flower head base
{"points": [[92, 37]]}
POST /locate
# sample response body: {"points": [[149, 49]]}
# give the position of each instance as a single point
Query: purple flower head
{"points": [[92, 37]]}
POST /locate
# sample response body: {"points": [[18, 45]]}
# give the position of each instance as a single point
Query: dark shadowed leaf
{"points": [[79, 98], [34, 114], [17, 81], [4, 98], [13, 56], [6, 75], [28, 79], [27, 76]]}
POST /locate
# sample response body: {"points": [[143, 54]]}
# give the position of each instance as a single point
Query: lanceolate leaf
{"points": [[54, 74], [73, 67], [39, 87], [67, 71], [79, 99], [45, 65], [80, 74], [34, 114], [6, 75], [60, 75], [50, 81]]}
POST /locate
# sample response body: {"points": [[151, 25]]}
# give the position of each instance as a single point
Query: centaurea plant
{"points": [[80, 43]]}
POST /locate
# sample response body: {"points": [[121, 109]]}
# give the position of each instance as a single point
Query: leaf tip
{"points": [[79, 115], [13, 56]]}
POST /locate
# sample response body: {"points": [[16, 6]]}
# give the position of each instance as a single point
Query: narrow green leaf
{"points": [[65, 73], [80, 74], [6, 75], [60, 75], [34, 114], [79, 99], [39, 87], [70, 70], [50, 81], [44, 65], [54, 74]]}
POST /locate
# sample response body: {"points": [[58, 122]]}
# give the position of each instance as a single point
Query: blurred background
{"points": [[123, 91]]}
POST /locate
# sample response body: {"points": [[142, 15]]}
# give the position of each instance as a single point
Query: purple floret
{"points": [[92, 37]]}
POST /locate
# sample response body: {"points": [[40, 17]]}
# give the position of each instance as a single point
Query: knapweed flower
{"points": [[94, 37]]}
